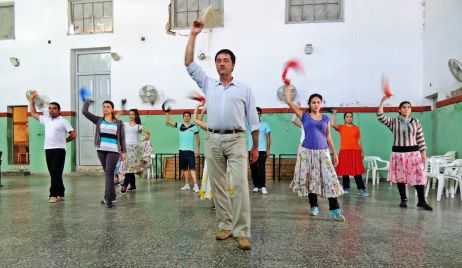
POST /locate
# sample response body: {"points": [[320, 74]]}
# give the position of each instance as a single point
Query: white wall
{"points": [[442, 41], [349, 57]]}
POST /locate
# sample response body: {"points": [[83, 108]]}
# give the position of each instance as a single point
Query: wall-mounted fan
{"points": [[281, 94], [456, 69], [41, 101], [149, 94]]}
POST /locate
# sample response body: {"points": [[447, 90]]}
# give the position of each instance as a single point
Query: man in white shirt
{"points": [[56, 128], [231, 110]]}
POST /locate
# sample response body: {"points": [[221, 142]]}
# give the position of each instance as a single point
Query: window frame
{"points": [[340, 19], [6, 5], [173, 16], [71, 26]]}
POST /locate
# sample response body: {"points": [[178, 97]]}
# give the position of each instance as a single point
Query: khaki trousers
{"points": [[229, 151]]}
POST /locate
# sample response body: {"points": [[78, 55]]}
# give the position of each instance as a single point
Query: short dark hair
{"points": [[403, 103], [259, 109], [186, 113], [57, 105], [345, 114], [226, 51], [109, 102]]}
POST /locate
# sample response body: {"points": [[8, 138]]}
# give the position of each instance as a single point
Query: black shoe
{"points": [[403, 203], [123, 189], [131, 188], [106, 204], [424, 206]]}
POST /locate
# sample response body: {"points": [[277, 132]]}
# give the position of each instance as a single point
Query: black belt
{"points": [[405, 149], [225, 131]]}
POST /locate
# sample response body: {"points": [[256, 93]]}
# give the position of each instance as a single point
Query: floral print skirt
{"points": [[315, 173], [407, 168]]}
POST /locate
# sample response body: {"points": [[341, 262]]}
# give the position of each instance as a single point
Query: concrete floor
{"points": [[159, 226]]}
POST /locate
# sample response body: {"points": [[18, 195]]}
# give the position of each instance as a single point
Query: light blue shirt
{"points": [[186, 136], [264, 129], [231, 107]]}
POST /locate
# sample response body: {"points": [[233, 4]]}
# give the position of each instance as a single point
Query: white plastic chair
{"points": [[434, 167], [448, 156], [453, 171], [372, 166]]}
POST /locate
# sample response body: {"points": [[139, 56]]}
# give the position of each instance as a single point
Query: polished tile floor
{"points": [[159, 226]]}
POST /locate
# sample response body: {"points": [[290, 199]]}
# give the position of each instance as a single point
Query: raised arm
{"points": [[169, 121], [196, 28], [295, 121], [198, 119], [381, 116], [291, 104], [93, 118], [33, 112], [332, 120], [198, 144]]}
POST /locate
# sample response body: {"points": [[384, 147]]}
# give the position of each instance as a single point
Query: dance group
{"points": [[231, 112]]}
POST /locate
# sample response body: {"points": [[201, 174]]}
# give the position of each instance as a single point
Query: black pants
{"points": [[129, 179], [55, 162], [358, 179], [333, 203], [258, 170], [419, 188], [108, 161]]}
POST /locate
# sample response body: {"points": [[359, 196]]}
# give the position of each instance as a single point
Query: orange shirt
{"points": [[349, 136]]}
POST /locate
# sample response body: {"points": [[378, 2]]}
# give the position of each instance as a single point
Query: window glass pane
{"points": [[216, 3], [308, 2], [108, 9], [295, 13], [295, 2], [90, 63], [87, 10], [98, 10], [203, 4], [77, 11], [192, 16], [88, 25], [319, 12], [182, 19], [7, 22], [333, 12], [193, 5], [78, 26], [308, 12], [181, 5], [99, 25], [107, 24]]}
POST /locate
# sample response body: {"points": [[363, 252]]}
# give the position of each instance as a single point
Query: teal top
{"points": [[187, 136], [264, 129]]}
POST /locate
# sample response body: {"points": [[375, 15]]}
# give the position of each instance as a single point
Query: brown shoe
{"points": [[243, 242], [223, 234]]}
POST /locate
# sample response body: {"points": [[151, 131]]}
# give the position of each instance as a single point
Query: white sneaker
{"points": [[255, 190], [185, 187], [264, 191], [196, 188]]}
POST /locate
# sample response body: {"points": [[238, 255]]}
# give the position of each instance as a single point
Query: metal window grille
{"points": [[184, 12], [89, 17], [314, 11]]}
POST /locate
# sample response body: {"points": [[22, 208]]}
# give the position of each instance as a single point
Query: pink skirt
{"points": [[407, 168]]}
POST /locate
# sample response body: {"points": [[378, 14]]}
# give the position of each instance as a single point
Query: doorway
{"points": [[20, 135], [92, 71]]}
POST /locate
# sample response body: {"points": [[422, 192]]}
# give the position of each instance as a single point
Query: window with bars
{"points": [[184, 12], [88, 16], [6, 21], [314, 11]]}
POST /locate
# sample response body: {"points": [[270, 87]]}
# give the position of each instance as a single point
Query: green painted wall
{"points": [[376, 138], [36, 152], [448, 129]]}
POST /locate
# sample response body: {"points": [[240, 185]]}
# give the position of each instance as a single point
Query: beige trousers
{"points": [[229, 151]]}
